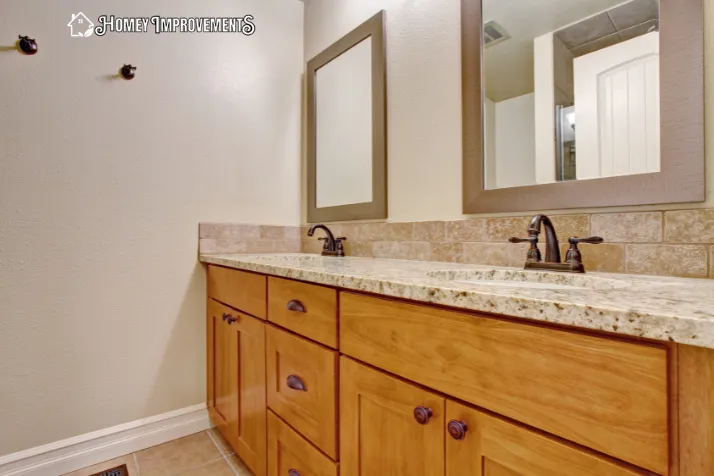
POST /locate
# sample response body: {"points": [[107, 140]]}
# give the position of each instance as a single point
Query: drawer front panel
{"points": [[302, 387], [238, 289], [605, 394], [306, 309], [288, 451]]}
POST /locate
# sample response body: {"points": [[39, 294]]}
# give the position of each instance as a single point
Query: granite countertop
{"points": [[661, 308]]}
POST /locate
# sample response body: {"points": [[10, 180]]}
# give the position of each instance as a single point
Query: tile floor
{"points": [[200, 454]]}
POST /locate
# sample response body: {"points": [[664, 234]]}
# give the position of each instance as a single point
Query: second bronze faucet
{"points": [[573, 258]]}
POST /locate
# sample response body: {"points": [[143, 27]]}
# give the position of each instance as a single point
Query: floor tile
{"points": [[221, 442], [178, 455], [217, 468], [127, 460]]}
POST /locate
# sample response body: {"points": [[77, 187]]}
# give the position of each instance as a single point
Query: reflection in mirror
{"points": [[343, 109], [571, 90]]}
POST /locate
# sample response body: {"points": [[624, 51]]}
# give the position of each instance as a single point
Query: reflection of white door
{"points": [[617, 129]]}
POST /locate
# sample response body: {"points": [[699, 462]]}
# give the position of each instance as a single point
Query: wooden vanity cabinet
{"points": [[236, 381], [308, 380]]}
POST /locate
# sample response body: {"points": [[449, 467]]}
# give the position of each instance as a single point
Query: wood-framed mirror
{"points": [[582, 103], [347, 127]]}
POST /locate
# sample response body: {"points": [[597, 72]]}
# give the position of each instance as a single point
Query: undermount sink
{"points": [[530, 279], [288, 258]]}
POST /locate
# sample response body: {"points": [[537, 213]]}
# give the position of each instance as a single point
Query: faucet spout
{"points": [[552, 247], [330, 236]]}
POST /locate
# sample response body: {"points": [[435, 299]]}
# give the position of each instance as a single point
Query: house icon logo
{"points": [[80, 25]]}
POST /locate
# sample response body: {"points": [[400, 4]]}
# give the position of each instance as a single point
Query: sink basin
{"points": [[518, 284], [286, 257], [530, 279]]}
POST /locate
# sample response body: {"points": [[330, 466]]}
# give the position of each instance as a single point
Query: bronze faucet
{"points": [[573, 259], [333, 246]]}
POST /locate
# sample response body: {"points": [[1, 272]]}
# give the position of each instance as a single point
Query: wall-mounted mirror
{"points": [[347, 127], [580, 103]]}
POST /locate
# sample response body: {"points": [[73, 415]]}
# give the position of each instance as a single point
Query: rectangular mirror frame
{"points": [[681, 178], [377, 208]]}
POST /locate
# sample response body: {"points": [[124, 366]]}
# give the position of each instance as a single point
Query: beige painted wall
{"points": [[424, 99], [102, 185]]}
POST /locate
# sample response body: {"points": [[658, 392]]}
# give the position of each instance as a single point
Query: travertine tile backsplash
{"points": [[217, 238], [672, 243]]}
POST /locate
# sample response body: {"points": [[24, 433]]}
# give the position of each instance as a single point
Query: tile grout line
{"points": [[136, 464], [220, 450]]}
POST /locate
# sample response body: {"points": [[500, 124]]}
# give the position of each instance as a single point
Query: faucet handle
{"points": [[593, 240], [339, 246], [533, 252], [573, 255], [530, 239]]}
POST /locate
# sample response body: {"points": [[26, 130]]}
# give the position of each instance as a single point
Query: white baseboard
{"points": [[86, 450]]}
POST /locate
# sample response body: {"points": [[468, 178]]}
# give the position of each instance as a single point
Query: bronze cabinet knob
{"points": [[293, 472], [296, 306], [457, 429], [296, 383], [422, 415]]}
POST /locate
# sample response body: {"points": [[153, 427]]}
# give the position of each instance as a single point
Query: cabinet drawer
{"points": [[287, 451], [306, 309], [605, 394], [238, 289], [302, 387]]}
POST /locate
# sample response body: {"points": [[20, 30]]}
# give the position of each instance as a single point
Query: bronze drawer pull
{"points": [[296, 306], [229, 319], [296, 383], [293, 472], [422, 415], [457, 429]]}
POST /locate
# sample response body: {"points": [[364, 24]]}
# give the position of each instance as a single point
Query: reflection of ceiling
{"points": [[509, 65], [622, 23]]}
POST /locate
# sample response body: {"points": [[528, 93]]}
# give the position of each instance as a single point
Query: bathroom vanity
{"points": [[355, 366]]}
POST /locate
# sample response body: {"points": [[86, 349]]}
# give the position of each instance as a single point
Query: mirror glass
{"points": [[571, 90], [343, 118]]}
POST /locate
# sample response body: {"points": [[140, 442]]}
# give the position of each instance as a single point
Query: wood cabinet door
{"points": [[236, 382], [481, 445], [387, 426]]}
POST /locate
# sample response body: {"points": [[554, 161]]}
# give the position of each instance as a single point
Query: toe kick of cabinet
{"points": [[302, 387]]}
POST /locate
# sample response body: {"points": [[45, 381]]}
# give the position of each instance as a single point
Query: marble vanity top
{"points": [[662, 308]]}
